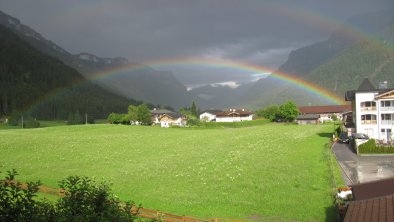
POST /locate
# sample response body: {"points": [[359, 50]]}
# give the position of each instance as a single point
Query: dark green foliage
{"points": [[288, 112], [338, 131], [74, 119], [144, 115], [17, 204], [270, 112], [87, 200], [132, 114], [84, 200], [116, 118], [193, 109], [30, 122], [371, 147], [34, 84]]}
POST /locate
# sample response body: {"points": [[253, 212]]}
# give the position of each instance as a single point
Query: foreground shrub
{"points": [[83, 200], [17, 204]]}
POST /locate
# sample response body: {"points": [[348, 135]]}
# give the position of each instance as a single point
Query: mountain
{"points": [[143, 84], [44, 87], [360, 47]]}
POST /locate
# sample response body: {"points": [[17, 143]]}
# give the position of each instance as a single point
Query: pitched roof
{"points": [[212, 111], [366, 85], [171, 115], [373, 189], [233, 112], [308, 117], [325, 109], [161, 111], [378, 209]]}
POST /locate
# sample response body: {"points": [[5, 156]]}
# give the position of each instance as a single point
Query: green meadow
{"points": [[269, 172]]}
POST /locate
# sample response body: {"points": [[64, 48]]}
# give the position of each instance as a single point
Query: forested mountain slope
{"points": [[33, 82]]}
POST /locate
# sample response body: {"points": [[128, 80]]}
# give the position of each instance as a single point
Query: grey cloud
{"points": [[253, 31]]}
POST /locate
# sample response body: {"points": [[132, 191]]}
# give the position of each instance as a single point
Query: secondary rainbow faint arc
{"points": [[220, 63]]}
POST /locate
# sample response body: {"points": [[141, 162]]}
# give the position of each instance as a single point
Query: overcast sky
{"points": [[260, 32]]}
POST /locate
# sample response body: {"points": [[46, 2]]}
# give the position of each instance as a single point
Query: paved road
{"points": [[359, 169]]}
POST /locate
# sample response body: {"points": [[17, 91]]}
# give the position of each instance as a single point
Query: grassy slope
{"points": [[270, 171]]}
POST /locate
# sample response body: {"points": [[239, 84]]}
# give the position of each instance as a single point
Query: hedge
{"points": [[371, 148]]}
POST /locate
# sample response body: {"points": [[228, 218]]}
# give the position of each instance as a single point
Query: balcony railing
{"points": [[387, 122], [368, 122], [387, 108], [368, 108]]}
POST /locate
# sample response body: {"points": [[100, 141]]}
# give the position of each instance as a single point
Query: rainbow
{"points": [[225, 64]]}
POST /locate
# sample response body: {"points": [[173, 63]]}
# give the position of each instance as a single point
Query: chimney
{"points": [[383, 85]]}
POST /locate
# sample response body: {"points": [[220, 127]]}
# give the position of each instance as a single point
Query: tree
{"points": [[270, 112], [288, 112], [86, 200], [144, 115], [132, 114], [193, 109]]}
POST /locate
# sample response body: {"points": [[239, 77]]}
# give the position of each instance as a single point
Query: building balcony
{"points": [[387, 108], [387, 122], [363, 109], [368, 122]]}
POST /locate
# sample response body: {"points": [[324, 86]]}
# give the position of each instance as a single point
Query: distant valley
{"points": [[337, 64]]}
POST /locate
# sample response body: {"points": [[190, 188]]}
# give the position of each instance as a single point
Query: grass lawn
{"points": [[267, 172]]}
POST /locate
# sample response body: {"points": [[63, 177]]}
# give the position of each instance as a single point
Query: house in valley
{"points": [[167, 118], [326, 113], [209, 115], [373, 110], [173, 119], [304, 119], [234, 115]]}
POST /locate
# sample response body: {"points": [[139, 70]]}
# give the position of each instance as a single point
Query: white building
{"points": [[234, 115], [209, 115], [373, 110]]}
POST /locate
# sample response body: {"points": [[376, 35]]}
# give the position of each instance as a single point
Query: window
{"points": [[386, 116], [368, 105], [368, 119], [387, 103]]}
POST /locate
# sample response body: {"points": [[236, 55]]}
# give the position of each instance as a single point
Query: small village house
{"points": [[326, 113], [209, 115], [304, 119], [234, 115], [174, 119], [167, 118]]}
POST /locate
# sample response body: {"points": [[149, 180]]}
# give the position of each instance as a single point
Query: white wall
{"points": [[372, 130], [233, 119], [207, 116]]}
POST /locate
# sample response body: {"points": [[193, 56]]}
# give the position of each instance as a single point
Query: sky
{"points": [[257, 32]]}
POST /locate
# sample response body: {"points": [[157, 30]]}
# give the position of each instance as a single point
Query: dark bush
{"points": [[371, 147], [83, 200]]}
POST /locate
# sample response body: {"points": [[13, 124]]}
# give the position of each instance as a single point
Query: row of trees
{"points": [[286, 112], [136, 115]]}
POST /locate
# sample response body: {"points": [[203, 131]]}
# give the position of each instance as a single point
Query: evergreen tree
{"points": [[193, 109]]}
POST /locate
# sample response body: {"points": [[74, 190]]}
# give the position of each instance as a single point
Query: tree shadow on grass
{"points": [[332, 214], [326, 135]]}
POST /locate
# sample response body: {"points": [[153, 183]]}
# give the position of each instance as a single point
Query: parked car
{"points": [[343, 138], [360, 136]]}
